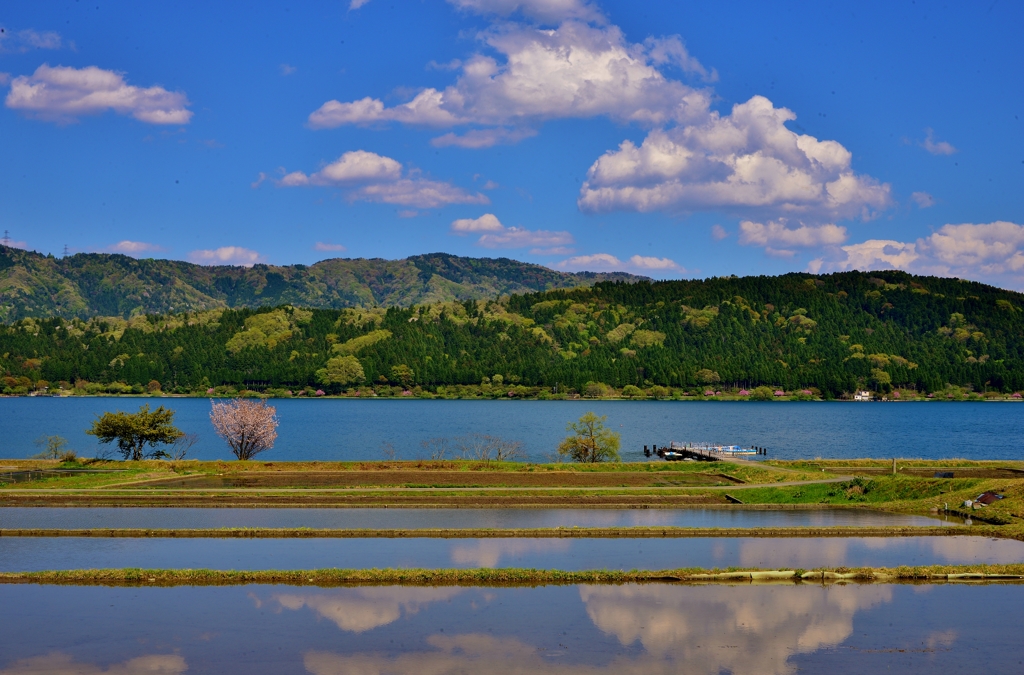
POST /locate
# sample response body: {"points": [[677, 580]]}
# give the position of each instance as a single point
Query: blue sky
{"points": [[662, 138]]}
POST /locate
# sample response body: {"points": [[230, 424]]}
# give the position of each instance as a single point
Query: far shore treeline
{"points": [[796, 335]]}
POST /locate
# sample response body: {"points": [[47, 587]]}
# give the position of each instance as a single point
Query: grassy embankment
{"points": [[518, 484], [514, 576]]}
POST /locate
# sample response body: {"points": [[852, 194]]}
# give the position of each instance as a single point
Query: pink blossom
{"points": [[779, 392], [744, 392], [895, 394], [806, 392], [1016, 394], [210, 390], [406, 393], [319, 392], [709, 393], [248, 427], [931, 395]]}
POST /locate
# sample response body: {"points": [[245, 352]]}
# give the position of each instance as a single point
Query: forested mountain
{"points": [[97, 284], [833, 333]]}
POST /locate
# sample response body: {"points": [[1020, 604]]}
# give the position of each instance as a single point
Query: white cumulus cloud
{"points": [[576, 70], [63, 94], [747, 161], [370, 177], [485, 223], [652, 263], [226, 255], [496, 235], [992, 252], [779, 240]]}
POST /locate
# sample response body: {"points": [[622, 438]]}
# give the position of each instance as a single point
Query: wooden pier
{"points": [[701, 452]]}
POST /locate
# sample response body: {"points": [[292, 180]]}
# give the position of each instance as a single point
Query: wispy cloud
{"points": [[134, 247], [606, 262], [936, 147], [923, 200], [496, 235], [28, 39], [327, 246]]}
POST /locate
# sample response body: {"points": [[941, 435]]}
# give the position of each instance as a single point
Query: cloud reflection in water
{"points": [[361, 609], [744, 630]]}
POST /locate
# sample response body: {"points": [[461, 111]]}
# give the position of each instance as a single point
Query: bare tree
{"points": [[388, 452], [437, 448], [179, 449], [247, 426], [484, 448]]}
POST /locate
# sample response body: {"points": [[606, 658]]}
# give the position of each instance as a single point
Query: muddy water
{"points": [[23, 554], [198, 518], [568, 630]]}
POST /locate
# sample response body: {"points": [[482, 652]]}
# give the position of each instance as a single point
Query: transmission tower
{"points": [[7, 238]]}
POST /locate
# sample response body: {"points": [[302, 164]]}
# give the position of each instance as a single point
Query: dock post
{"points": [[894, 466]]}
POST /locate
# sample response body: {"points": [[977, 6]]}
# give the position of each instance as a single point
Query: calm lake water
{"points": [[360, 518], [551, 630], [41, 553], [336, 429]]}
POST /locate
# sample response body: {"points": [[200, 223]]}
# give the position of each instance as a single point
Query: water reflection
{"points": [[738, 629], [415, 518], [749, 629], [358, 610], [19, 554], [63, 664], [645, 629], [490, 552]]}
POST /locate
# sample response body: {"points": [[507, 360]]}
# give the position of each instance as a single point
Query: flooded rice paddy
{"points": [[550, 630], [409, 518], [45, 553]]}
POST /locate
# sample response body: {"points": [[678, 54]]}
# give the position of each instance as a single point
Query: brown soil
{"points": [[462, 479]]}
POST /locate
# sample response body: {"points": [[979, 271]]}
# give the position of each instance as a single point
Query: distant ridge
{"points": [[99, 284]]}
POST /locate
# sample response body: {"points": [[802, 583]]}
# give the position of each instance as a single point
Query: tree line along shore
{"points": [[791, 337]]}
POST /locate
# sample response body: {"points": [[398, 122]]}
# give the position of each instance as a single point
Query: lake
{"points": [[655, 629], [22, 554], [346, 429]]}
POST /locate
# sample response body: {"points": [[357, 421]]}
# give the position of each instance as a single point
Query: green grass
{"points": [[508, 576], [878, 490]]}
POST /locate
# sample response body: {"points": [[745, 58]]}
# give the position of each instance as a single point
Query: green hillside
{"points": [[829, 334], [96, 284]]}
